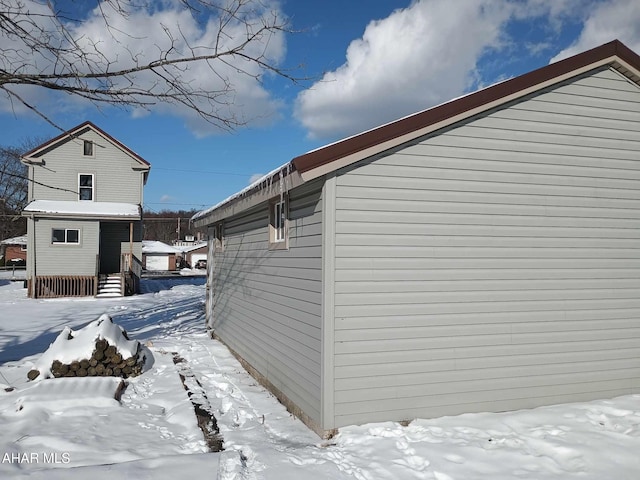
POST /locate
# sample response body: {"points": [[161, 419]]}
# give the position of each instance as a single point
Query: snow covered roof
{"points": [[155, 246], [189, 248], [84, 209], [21, 240]]}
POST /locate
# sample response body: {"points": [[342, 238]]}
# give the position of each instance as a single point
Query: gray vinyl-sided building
{"points": [[482, 255]]}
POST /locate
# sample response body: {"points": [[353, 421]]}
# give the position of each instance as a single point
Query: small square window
{"points": [[85, 186], [278, 232], [88, 148], [65, 235]]}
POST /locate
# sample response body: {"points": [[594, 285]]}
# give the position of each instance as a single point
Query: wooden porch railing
{"points": [[130, 273], [53, 286]]}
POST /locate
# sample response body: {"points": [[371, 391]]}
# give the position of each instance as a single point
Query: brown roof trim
{"points": [[86, 124], [432, 116]]}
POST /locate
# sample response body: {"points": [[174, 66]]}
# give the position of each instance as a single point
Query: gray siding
{"points": [[66, 259], [267, 304], [495, 265], [114, 175]]}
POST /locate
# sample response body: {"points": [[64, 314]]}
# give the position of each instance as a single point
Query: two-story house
{"points": [[84, 216]]}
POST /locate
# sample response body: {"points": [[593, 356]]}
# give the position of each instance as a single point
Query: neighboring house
{"points": [[482, 255], [192, 253], [14, 251], [158, 256], [84, 217]]}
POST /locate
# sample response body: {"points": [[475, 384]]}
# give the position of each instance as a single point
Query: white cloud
{"points": [[609, 20], [166, 198], [431, 52], [165, 26], [417, 57]]}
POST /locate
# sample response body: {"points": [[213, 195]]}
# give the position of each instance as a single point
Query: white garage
{"points": [[158, 256]]}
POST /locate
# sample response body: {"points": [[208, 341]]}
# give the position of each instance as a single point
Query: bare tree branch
{"points": [[194, 54]]}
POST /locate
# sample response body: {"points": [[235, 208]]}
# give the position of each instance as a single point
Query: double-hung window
{"points": [[85, 186], [278, 228], [65, 236]]}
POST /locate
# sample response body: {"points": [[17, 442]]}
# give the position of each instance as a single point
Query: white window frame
{"points": [[93, 187], [66, 236], [92, 150], [279, 223], [218, 237], [23, 248]]}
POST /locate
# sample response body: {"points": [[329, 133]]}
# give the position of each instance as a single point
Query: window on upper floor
{"points": [[65, 236], [278, 231], [88, 148], [85, 186]]}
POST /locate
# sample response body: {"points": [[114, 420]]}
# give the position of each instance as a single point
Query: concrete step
{"points": [[109, 295]]}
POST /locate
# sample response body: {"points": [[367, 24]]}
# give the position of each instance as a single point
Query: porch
{"points": [[124, 282]]}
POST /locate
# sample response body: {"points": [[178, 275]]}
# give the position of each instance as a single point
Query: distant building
{"points": [[14, 251]]}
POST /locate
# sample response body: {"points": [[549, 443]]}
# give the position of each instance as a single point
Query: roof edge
{"points": [[323, 156]]}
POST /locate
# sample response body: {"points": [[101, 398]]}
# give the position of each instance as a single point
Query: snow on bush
{"points": [[101, 348]]}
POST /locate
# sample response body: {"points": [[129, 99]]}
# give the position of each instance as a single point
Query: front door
{"points": [[112, 235]]}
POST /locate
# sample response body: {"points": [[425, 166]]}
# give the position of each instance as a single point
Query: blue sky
{"points": [[369, 62]]}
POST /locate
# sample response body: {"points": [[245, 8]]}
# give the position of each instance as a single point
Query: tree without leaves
{"points": [[194, 55], [13, 188], [163, 225]]}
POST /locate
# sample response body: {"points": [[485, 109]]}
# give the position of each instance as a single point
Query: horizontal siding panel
{"points": [[518, 283], [413, 206], [489, 186], [490, 198], [267, 303], [452, 362], [478, 175], [279, 334], [573, 168], [481, 340], [516, 318], [425, 298], [454, 404], [552, 109], [484, 307], [408, 384], [426, 252], [482, 387], [480, 352], [389, 239], [510, 398], [282, 377], [466, 151], [449, 229], [392, 330]]}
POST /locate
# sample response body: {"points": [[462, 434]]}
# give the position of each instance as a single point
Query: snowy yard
{"points": [[153, 432]]}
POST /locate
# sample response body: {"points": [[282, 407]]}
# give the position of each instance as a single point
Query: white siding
{"points": [[114, 177], [267, 304], [495, 265]]}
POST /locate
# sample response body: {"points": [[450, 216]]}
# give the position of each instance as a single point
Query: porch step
{"points": [[109, 286]]}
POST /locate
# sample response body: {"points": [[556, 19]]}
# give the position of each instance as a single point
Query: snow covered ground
{"points": [[153, 432]]}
